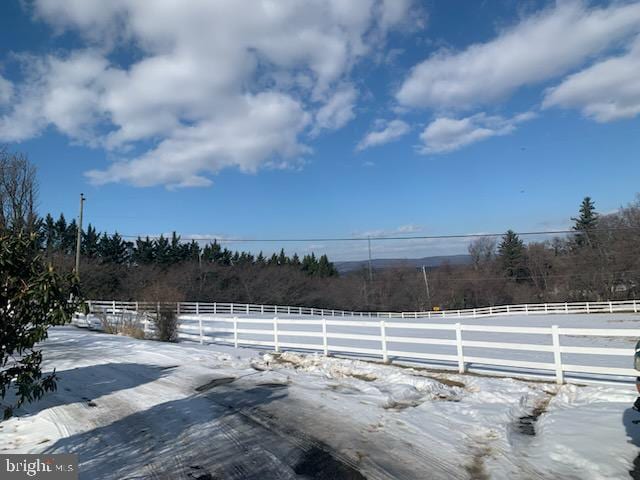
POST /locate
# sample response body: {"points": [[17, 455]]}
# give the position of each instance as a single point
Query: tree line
{"points": [[60, 237], [598, 260]]}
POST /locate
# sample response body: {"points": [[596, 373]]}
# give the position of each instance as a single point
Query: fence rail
{"points": [[216, 308]]}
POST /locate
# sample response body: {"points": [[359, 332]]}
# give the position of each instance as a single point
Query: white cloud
{"points": [[6, 91], [448, 134], [538, 48], [212, 85], [384, 133], [401, 230], [257, 129], [606, 91], [337, 111]]}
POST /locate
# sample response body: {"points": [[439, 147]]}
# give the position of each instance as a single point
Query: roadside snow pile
{"points": [[400, 388]]}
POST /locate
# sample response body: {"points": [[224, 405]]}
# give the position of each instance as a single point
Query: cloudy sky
{"points": [[324, 118]]}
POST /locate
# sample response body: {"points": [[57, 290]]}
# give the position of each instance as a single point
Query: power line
{"points": [[364, 239], [564, 275]]}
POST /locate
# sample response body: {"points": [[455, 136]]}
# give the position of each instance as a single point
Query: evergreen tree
{"points": [[325, 267], [282, 258], [49, 231], [70, 238], [260, 260], [225, 257], [309, 264], [273, 260], [144, 251], [585, 223], [114, 249], [89, 245], [162, 251], [60, 232], [193, 251], [295, 260], [511, 254]]}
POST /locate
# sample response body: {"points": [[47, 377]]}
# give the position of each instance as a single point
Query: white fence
{"points": [[392, 338], [278, 332], [197, 308]]}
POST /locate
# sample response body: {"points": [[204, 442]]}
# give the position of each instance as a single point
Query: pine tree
{"points": [[325, 267], [260, 260], [585, 223], [89, 245], [295, 260], [163, 251], [511, 253], [282, 258], [70, 238], [60, 232], [310, 264], [49, 234], [144, 251]]}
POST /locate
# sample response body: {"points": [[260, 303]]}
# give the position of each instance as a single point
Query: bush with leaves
{"points": [[33, 297]]}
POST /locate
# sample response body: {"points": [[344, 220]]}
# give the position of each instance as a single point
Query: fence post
{"points": [[546, 308], [137, 307], [588, 308], [461, 368], [299, 310], [490, 310], [247, 309], [235, 332], [113, 307], [275, 310], [526, 309], [474, 313], [383, 340], [215, 308], [635, 307], [201, 332], [275, 334], [610, 307], [458, 313], [232, 309], [261, 308], [197, 308], [178, 308], [325, 341], [566, 307], [557, 355], [508, 309]]}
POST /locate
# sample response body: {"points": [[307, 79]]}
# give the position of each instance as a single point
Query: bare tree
{"points": [[18, 192], [482, 250]]}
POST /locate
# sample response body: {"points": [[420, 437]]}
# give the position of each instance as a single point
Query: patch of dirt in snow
{"points": [[215, 383], [526, 423]]}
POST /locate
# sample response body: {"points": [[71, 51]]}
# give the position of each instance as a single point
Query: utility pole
{"points": [[370, 269], [426, 284], [79, 238]]}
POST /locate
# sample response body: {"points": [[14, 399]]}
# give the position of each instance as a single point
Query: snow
{"points": [[184, 410]]}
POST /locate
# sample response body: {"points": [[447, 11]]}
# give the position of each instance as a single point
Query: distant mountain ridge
{"points": [[382, 263]]}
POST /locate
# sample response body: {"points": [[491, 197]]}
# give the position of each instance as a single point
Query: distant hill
{"points": [[380, 263]]}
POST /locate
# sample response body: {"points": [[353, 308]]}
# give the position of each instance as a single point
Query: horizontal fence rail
{"points": [[217, 308], [545, 349]]}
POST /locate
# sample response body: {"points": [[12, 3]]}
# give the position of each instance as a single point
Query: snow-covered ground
{"points": [[144, 409]]}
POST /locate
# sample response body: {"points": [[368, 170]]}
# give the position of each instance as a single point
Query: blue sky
{"points": [[306, 119]]}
